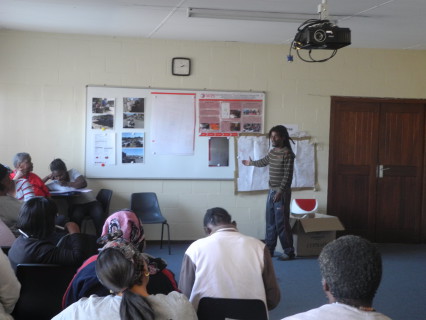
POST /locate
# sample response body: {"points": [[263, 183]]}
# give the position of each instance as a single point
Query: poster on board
{"points": [[230, 114]]}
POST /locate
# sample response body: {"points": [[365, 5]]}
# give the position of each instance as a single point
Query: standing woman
{"points": [[281, 163], [80, 206]]}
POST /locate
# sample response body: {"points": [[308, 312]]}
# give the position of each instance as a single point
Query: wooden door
{"points": [[367, 135], [400, 160]]}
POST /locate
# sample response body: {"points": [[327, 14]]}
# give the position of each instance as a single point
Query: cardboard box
{"points": [[310, 235]]}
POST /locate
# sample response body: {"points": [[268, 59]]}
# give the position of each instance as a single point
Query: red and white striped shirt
{"points": [[24, 190]]}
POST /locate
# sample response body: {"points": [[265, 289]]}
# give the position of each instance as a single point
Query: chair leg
{"points": [[168, 237], [161, 241]]}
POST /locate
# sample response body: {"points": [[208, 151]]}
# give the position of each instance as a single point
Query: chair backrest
{"points": [[146, 207], [104, 197], [42, 288], [221, 308], [303, 206]]}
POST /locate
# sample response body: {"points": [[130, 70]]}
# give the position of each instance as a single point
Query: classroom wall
{"points": [[43, 80]]}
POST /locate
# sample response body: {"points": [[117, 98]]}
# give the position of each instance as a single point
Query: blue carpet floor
{"points": [[401, 296]]}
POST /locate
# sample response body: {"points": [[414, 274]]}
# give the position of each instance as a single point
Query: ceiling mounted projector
{"points": [[322, 34], [319, 34]]}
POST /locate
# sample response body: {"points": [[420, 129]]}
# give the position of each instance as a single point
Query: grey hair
{"points": [[19, 158], [352, 268]]}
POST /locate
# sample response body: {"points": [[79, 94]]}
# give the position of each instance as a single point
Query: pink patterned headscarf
{"points": [[126, 221]]}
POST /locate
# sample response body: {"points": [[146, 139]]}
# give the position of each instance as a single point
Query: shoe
{"points": [[285, 257]]}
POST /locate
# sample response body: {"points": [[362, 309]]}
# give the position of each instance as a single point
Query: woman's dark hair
{"points": [[119, 268], [37, 217], [4, 171], [283, 133], [57, 165], [217, 216]]}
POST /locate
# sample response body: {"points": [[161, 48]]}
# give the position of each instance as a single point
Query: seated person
{"points": [[351, 269], [9, 288], [23, 190], [212, 266], [123, 269], [23, 169], [85, 282], [80, 206], [40, 243], [9, 206]]}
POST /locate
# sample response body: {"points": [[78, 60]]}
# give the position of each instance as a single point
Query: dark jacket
{"points": [[71, 250], [86, 283]]}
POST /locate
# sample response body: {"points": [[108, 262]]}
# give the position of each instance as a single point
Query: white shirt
{"points": [[227, 264], [174, 306], [337, 311]]}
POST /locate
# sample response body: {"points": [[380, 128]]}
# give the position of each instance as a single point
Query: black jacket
{"points": [[71, 250]]}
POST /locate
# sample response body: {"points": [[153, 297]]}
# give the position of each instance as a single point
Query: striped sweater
{"points": [[24, 190], [281, 163]]}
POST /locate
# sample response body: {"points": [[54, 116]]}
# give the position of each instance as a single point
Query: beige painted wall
{"points": [[42, 101]]}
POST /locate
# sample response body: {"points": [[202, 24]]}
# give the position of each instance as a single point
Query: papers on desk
{"points": [[69, 193], [57, 190]]}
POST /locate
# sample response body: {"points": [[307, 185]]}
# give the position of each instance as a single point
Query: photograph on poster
{"points": [[132, 140], [133, 104], [103, 105], [235, 113], [132, 155], [251, 127], [133, 120], [235, 126], [103, 121], [251, 112], [209, 127]]}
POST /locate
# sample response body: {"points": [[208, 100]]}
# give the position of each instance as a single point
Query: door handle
{"points": [[380, 170]]}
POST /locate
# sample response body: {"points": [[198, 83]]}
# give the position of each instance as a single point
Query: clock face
{"points": [[181, 66]]}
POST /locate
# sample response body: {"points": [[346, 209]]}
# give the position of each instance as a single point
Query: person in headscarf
{"points": [[122, 226]]}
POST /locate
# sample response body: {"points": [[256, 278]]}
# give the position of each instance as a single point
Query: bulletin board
{"points": [[148, 133]]}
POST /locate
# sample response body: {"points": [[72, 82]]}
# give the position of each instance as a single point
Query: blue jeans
{"points": [[278, 223]]}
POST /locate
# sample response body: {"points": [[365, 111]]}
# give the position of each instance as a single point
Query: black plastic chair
{"points": [[147, 208], [104, 197], [241, 309], [42, 288]]}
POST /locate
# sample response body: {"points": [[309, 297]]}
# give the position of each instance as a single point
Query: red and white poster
{"points": [[229, 114]]}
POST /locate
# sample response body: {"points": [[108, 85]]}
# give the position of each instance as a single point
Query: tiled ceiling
{"points": [[391, 24]]}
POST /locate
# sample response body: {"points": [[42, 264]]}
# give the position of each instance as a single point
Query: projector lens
{"points": [[319, 35]]}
